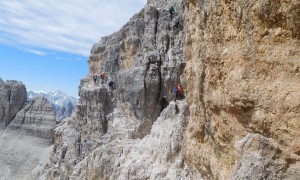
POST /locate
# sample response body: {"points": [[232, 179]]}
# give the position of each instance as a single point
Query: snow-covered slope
{"points": [[61, 102]]}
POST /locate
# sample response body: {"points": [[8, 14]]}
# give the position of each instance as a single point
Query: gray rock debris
{"points": [[13, 96]]}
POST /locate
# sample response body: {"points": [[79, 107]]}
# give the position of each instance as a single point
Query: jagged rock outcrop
{"points": [[238, 62], [26, 142], [13, 96], [36, 119], [144, 60], [156, 156]]}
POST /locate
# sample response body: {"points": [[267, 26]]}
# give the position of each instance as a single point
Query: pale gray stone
{"points": [[13, 96], [119, 132], [36, 119]]}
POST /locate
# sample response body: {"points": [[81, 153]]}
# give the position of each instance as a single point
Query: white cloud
{"points": [[37, 52], [60, 58], [33, 51], [68, 26]]}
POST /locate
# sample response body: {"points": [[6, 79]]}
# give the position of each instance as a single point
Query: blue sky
{"points": [[46, 44]]}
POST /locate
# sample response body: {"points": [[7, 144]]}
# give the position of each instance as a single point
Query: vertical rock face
{"points": [[12, 98], [26, 142], [243, 77], [144, 60], [36, 119], [238, 62]]}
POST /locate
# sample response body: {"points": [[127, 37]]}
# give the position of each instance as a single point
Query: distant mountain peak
{"points": [[62, 103]]}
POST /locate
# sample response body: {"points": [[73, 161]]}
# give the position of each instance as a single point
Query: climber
{"points": [[163, 103], [177, 92], [95, 78], [102, 77], [110, 84], [171, 10], [176, 25]]}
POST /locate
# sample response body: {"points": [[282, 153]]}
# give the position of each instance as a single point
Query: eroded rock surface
{"points": [[13, 96], [26, 142], [36, 119], [243, 78], [144, 60], [238, 63]]}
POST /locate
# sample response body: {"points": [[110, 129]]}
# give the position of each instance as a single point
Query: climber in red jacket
{"points": [[179, 92], [102, 77]]}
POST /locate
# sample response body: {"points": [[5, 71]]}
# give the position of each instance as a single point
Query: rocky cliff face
{"points": [[36, 119], [62, 103], [12, 99], [243, 86], [144, 60], [26, 142], [238, 62]]}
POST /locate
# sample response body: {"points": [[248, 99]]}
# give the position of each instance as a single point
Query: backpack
{"points": [[110, 83], [179, 89], [171, 8]]}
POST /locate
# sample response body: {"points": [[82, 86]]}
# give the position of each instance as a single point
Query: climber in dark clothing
{"points": [[176, 25], [95, 78], [111, 84], [163, 103]]}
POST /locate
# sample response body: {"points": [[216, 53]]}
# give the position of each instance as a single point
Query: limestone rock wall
{"points": [[156, 156], [36, 119], [238, 63], [27, 139], [13, 96], [243, 86], [144, 59]]}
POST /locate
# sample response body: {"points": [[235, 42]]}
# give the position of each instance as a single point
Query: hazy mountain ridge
{"points": [[62, 103]]}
